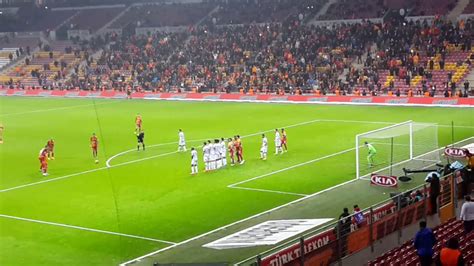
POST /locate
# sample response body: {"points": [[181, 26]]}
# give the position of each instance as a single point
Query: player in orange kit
{"points": [[138, 123], [239, 149], [94, 144], [50, 146], [43, 158], [283, 139], [231, 148]]}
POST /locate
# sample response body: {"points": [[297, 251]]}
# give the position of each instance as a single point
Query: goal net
{"points": [[406, 143]]}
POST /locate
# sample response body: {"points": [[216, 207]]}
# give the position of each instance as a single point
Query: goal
{"points": [[397, 146]]}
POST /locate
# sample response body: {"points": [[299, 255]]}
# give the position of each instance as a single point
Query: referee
{"points": [[141, 139]]}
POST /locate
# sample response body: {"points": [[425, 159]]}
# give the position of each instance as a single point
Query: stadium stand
{"points": [[267, 11], [366, 58], [406, 253], [29, 19], [160, 15], [93, 19], [358, 9], [469, 8], [7, 55], [361, 9], [432, 7]]}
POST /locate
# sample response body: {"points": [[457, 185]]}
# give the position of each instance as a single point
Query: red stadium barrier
{"points": [[368, 100]]}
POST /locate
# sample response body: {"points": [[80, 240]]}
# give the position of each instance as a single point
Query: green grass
{"points": [[157, 198]]}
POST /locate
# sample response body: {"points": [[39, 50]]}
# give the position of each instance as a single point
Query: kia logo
{"points": [[384, 181], [455, 152]]}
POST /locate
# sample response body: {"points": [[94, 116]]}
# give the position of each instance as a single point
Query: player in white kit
{"points": [[278, 148], [194, 161], [212, 156], [223, 152], [217, 152], [182, 141], [206, 156], [264, 148]]}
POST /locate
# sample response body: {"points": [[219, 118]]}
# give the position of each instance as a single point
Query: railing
{"points": [[332, 242]]}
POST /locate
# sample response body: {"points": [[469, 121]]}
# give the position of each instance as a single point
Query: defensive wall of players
{"points": [[309, 99]]}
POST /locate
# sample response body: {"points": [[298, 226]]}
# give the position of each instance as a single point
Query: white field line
{"points": [[133, 161], [271, 191], [247, 259], [416, 158], [246, 219], [312, 102], [291, 167], [107, 163], [55, 109], [85, 229], [84, 172], [386, 123]]}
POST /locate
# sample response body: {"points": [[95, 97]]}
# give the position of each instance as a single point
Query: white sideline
{"points": [[270, 191], [291, 167], [86, 229], [234, 223], [249, 218], [312, 102], [56, 109]]}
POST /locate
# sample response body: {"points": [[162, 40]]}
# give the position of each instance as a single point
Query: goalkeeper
{"points": [[371, 155]]}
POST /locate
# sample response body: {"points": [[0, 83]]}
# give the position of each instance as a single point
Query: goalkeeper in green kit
{"points": [[371, 155]]}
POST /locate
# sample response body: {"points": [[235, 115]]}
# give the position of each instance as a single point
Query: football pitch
{"points": [[139, 202]]}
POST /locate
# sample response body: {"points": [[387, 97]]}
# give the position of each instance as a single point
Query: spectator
{"points": [[431, 64], [358, 216], [441, 64], [467, 214], [435, 189], [424, 242], [450, 255], [344, 230]]}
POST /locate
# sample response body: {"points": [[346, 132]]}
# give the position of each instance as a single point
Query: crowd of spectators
{"points": [[276, 58], [290, 56]]}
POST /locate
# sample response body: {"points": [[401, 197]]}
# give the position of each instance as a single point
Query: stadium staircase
{"points": [[323, 10], [67, 20], [470, 78], [458, 9], [406, 253], [108, 24]]}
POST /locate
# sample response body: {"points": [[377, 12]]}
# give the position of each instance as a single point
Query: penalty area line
{"points": [[291, 167], [138, 259], [86, 229], [235, 223]]}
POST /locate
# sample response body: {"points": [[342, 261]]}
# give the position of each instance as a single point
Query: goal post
{"points": [[394, 145]]}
